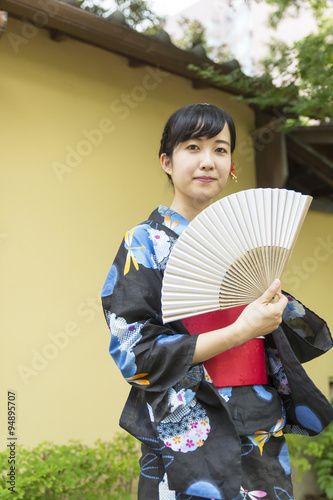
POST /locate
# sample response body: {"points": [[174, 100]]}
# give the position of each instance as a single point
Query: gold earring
{"points": [[233, 173]]}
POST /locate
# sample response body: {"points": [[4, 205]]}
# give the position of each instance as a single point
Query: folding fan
{"points": [[232, 251]]}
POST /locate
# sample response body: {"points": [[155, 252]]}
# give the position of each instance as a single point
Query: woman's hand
{"points": [[262, 316], [259, 318]]}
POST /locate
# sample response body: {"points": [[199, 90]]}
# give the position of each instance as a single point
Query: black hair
{"points": [[195, 120]]}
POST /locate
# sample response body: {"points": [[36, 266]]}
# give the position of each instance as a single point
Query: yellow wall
{"points": [[65, 214]]}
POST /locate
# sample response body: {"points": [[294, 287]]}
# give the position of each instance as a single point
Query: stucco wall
{"points": [[80, 133]]}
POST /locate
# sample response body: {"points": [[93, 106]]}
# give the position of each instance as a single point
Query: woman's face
{"points": [[199, 169]]}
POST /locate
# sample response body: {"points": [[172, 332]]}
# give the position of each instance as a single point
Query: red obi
{"points": [[241, 365]]}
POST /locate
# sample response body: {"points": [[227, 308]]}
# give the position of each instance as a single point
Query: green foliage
{"points": [[138, 13], [292, 8], [108, 470], [296, 79], [315, 453], [307, 66], [93, 7], [253, 90], [194, 33]]}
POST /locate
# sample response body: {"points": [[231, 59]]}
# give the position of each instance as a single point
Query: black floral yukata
{"points": [[200, 441]]}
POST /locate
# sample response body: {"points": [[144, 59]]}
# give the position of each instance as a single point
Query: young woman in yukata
{"points": [[198, 440]]}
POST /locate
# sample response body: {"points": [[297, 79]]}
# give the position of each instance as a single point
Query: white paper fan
{"points": [[232, 251]]}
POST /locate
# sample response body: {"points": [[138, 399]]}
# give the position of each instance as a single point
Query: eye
{"points": [[192, 147], [221, 150]]}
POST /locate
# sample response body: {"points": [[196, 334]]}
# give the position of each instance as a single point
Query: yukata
{"points": [[200, 441]]}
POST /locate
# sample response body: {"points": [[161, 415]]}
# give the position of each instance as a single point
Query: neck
{"points": [[189, 212]]}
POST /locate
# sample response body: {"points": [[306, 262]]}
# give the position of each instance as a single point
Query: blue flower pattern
{"points": [[123, 338], [292, 316], [110, 282], [294, 309], [187, 426]]}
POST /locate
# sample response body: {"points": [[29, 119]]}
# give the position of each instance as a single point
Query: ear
{"points": [[166, 163]]}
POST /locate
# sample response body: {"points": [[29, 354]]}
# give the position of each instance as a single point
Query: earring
{"points": [[233, 173]]}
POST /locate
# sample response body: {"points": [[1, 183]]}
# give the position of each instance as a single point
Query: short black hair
{"points": [[195, 120]]}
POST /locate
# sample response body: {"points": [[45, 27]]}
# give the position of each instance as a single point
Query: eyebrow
{"points": [[219, 141]]}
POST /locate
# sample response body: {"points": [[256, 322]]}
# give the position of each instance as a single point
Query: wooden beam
{"points": [[307, 156], [321, 134], [200, 84], [271, 157], [322, 205]]}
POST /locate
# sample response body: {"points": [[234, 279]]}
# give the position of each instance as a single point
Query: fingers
{"points": [[262, 316], [273, 290], [274, 298]]}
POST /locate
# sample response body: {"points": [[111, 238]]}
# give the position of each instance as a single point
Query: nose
{"points": [[206, 161]]}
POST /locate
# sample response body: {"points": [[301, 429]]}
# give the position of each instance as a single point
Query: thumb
{"points": [[272, 290]]}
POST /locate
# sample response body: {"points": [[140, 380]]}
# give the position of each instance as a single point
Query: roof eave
{"points": [[61, 18]]}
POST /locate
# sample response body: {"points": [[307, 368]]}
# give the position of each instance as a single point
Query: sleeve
{"points": [[150, 355], [301, 336], [307, 334]]}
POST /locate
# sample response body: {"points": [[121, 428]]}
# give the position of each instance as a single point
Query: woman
{"points": [[198, 440]]}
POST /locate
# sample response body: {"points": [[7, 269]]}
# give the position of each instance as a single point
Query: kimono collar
{"points": [[171, 219]]}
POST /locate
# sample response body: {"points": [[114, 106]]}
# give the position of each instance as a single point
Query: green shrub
{"points": [[316, 453], [108, 470]]}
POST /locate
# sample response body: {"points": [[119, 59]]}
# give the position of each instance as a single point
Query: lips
{"points": [[205, 179]]}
